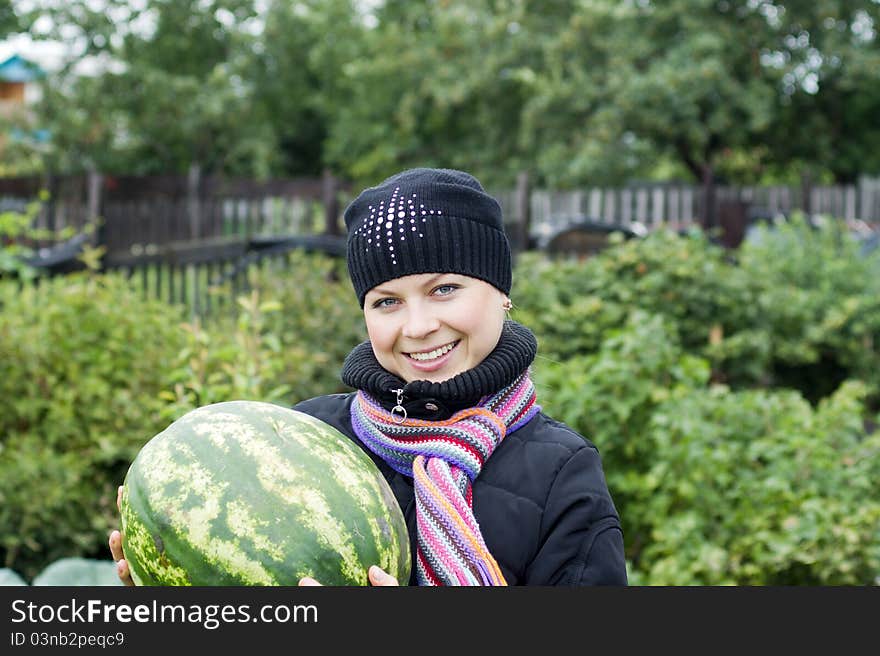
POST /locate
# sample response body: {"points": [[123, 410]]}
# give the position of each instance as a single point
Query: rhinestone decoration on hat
{"points": [[392, 224]]}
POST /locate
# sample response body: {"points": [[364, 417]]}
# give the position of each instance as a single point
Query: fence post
{"points": [[193, 181], [94, 200], [523, 210], [709, 209], [868, 199], [48, 217], [807, 192], [732, 219], [329, 188]]}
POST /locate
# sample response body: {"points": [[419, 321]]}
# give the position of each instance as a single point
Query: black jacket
{"points": [[541, 501]]}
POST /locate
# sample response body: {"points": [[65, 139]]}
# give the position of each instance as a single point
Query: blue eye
{"points": [[445, 290]]}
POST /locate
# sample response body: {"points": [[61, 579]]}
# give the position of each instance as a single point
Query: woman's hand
{"points": [[116, 549], [376, 575]]}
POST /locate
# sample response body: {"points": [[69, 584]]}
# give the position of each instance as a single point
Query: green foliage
{"points": [[92, 371], [706, 301], [610, 396], [820, 301], [17, 235], [14, 227], [739, 483], [82, 362], [819, 121], [732, 400], [757, 488], [279, 346], [798, 309], [576, 92], [9, 22]]}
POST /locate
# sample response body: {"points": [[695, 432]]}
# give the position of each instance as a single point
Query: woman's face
{"points": [[431, 326]]}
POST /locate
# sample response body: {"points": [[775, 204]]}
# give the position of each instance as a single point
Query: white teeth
{"points": [[431, 355]]}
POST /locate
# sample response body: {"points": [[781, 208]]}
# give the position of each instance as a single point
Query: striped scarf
{"points": [[444, 458]]}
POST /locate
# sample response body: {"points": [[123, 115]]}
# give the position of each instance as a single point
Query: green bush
{"points": [[718, 487], [286, 342], [820, 303], [92, 371], [758, 488], [610, 396], [742, 483], [766, 479], [799, 308], [572, 303], [82, 361]]}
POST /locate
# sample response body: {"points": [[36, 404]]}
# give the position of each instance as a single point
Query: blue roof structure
{"points": [[19, 69]]}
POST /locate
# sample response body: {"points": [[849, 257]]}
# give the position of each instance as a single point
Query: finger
{"points": [[305, 581], [119, 498], [123, 572], [116, 545], [378, 577]]}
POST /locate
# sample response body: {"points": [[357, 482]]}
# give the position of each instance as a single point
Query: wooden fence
{"points": [[206, 229], [656, 205], [148, 214]]}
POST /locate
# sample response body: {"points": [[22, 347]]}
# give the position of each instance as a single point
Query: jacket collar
{"points": [[423, 399]]}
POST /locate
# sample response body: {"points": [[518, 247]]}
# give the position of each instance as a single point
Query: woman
{"points": [[494, 491]]}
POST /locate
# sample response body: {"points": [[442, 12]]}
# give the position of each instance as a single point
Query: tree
{"points": [[710, 84], [630, 83], [295, 69], [577, 92], [829, 100], [435, 84], [8, 19], [169, 96]]}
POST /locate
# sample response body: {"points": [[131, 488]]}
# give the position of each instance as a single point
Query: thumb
{"points": [[378, 577]]}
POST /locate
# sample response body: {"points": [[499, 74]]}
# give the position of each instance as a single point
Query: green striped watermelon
{"points": [[252, 493]]}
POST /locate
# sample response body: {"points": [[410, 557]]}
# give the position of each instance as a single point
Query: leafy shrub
{"points": [[742, 483], [715, 483], [800, 308], [286, 343], [820, 302], [758, 488], [610, 396], [572, 303], [82, 361], [93, 371]]}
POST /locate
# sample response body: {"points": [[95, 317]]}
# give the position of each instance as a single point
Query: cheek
{"points": [[382, 336], [484, 333], [378, 334]]}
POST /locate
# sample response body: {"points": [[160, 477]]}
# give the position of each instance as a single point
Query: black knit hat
{"points": [[426, 221]]}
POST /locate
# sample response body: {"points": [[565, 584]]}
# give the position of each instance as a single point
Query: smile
{"points": [[433, 354]]}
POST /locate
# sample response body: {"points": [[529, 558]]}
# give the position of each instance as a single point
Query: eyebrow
{"points": [[428, 283]]}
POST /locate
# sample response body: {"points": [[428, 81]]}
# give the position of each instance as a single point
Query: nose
{"points": [[420, 322]]}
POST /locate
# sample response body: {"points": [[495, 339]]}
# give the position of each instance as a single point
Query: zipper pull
{"points": [[398, 408]]}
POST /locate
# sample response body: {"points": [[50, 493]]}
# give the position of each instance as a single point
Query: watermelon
{"points": [[253, 493]]}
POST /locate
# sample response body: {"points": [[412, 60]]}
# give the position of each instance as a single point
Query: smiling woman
{"points": [[494, 492]]}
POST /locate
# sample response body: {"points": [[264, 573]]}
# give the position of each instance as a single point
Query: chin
{"points": [[431, 376]]}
